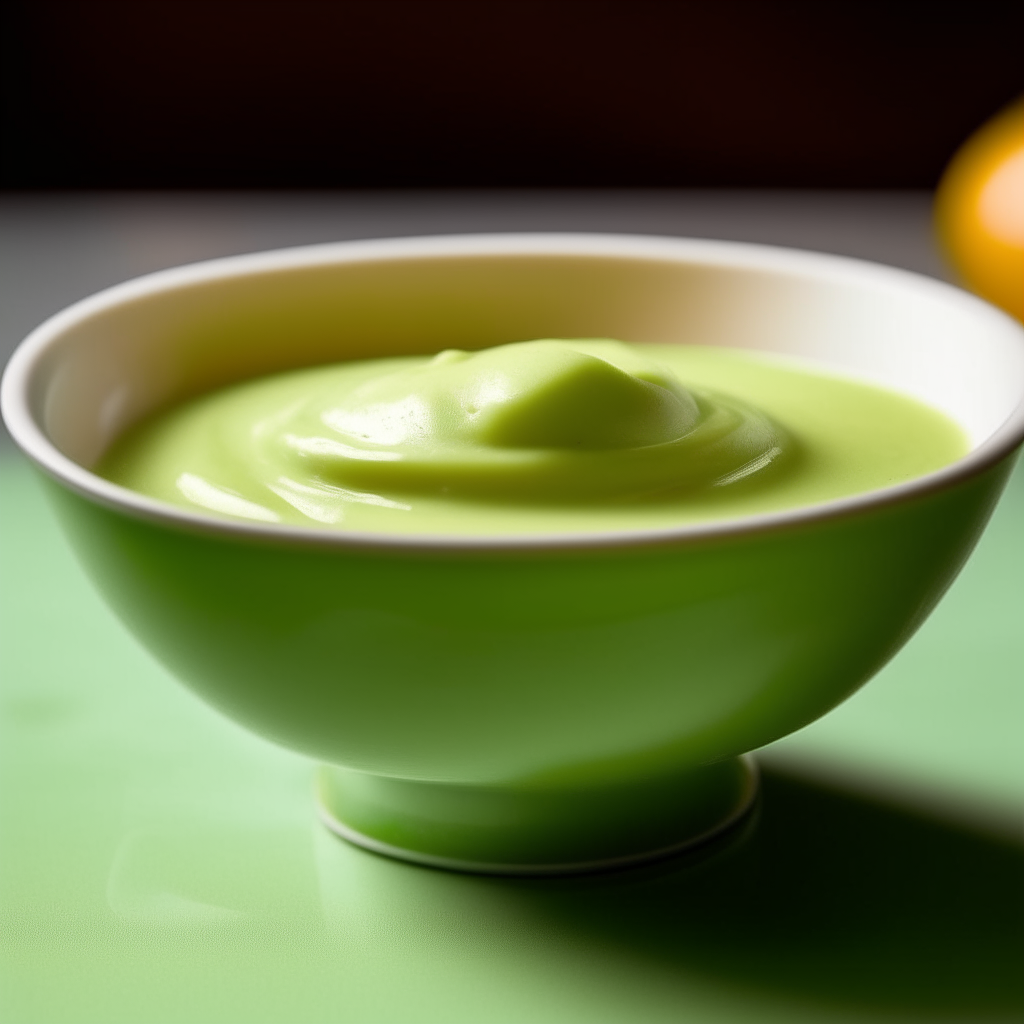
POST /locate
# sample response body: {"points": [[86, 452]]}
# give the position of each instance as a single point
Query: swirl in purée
{"points": [[534, 421]]}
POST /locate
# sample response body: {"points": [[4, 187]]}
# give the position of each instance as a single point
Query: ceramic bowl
{"points": [[521, 703]]}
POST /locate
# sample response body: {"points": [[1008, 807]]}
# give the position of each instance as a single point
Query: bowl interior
{"points": [[102, 365]]}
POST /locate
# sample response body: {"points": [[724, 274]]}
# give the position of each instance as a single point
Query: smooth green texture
{"points": [[159, 864], [535, 436]]}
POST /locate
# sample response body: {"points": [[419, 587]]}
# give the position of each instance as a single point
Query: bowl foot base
{"points": [[535, 830]]}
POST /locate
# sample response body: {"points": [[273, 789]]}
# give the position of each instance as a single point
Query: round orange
{"points": [[980, 211]]}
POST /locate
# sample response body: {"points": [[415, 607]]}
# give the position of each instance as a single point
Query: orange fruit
{"points": [[979, 211]]}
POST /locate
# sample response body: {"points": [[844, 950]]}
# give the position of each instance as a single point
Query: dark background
{"points": [[498, 93]]}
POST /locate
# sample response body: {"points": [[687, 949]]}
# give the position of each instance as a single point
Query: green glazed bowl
{"points": [[521, 704]]}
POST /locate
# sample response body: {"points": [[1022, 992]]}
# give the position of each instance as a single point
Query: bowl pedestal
{"points": [[535, 829]]}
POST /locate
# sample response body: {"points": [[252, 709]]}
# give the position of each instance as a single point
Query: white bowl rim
{"points": [[823, 267]]}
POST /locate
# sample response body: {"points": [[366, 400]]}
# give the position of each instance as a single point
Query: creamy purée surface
{"points": [[543, 436]]}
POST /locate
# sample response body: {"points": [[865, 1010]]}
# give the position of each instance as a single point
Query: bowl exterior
{"points": [[541, 668]]}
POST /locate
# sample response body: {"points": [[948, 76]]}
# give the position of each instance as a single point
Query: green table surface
{"points": [[161, 864]]}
